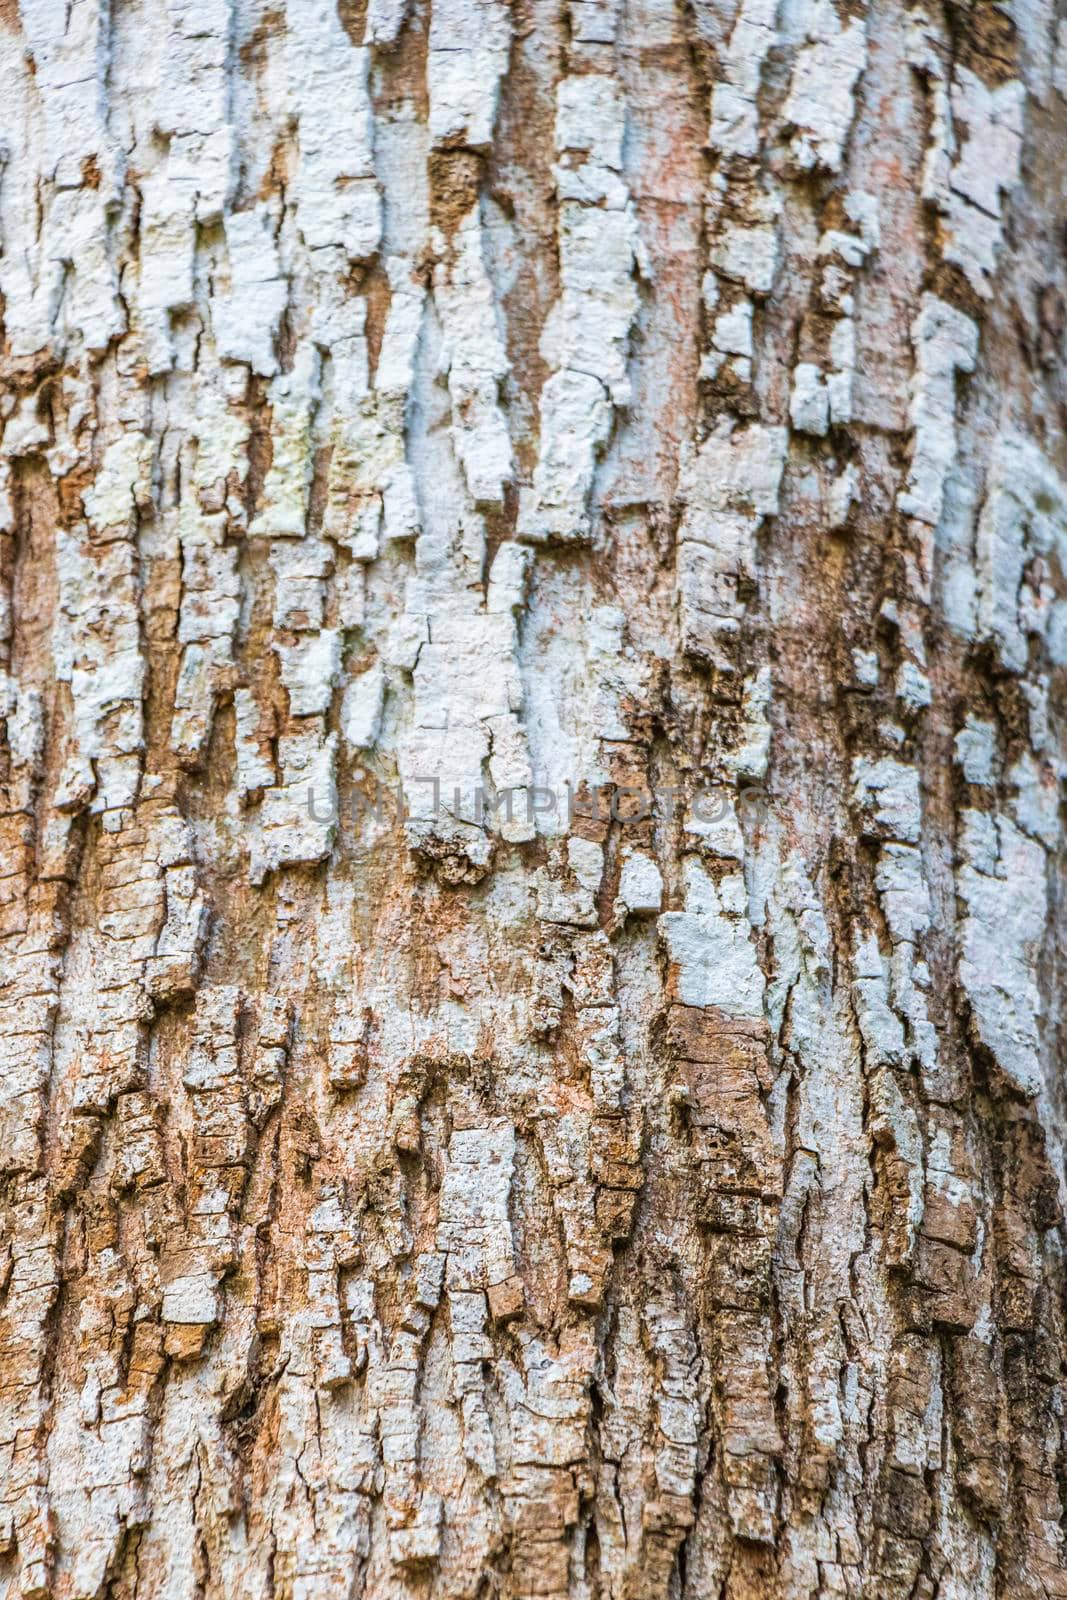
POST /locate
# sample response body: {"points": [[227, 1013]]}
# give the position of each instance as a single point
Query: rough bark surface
{"points": [[601, 397]]}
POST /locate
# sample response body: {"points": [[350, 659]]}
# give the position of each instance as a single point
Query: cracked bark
{"points": [[582, 400]]}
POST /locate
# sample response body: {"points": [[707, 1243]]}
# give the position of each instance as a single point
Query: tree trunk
{"points": [[533, 638]]}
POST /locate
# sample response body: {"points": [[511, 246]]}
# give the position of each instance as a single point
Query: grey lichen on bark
{"points": [[533, 639]]}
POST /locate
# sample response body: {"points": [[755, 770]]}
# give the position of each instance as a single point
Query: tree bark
{"points": [[533, 629]]}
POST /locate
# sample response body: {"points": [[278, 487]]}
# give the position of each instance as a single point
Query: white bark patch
{"points": [[97, 639], [1002, 883], [587, 336], [1022, 526], [710, 948], [298, 817], [973, 158], [888, 793], [247, 310], [468, 52], [475, 361], [728, 486], [820, 104], [734, 110], [946, 342], [334, 188]]}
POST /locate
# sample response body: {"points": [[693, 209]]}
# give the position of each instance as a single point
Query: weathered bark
{"points": [[562, 399]]}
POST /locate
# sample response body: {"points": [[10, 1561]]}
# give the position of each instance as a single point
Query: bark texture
{"points": [[589, 396]]}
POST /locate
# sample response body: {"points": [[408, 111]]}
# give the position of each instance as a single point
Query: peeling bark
{"points": [[533, 649]]}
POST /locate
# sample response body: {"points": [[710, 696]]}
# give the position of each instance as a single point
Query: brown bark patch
{"points": [[254, 51], [352, 15], [455, 178], [985, 40]]}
